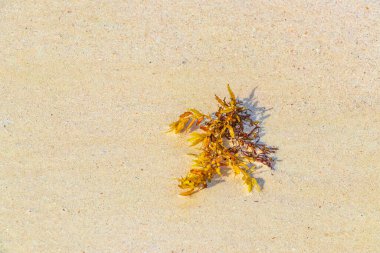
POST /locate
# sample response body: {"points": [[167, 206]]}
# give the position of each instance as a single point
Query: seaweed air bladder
{"points": [[228, 139]]}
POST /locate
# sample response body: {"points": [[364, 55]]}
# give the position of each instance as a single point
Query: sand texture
{"points": [[87, 89]]}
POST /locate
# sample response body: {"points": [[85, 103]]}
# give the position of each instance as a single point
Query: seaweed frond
{"points": [[229, 139]]}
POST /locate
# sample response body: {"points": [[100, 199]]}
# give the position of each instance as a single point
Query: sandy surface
{"points": [[88, 87]]}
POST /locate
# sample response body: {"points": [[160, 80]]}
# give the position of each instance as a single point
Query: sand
{"points": [[87, 89]]}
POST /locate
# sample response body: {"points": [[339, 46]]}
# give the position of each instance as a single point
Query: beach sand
{"points": [[88, 88]]}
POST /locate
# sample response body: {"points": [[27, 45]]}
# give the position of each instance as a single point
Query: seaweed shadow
{"points": [[260, 114]]}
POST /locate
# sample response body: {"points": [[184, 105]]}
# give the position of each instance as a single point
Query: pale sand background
{"points": [[87, 87]]}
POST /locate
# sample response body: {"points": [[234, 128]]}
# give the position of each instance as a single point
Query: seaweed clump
{"points": [[228, 138]]}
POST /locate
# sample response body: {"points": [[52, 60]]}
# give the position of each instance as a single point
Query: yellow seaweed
{"points": [[236, 149]]}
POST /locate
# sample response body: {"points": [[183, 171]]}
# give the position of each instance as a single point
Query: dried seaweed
{"points": [[229, 139]]}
